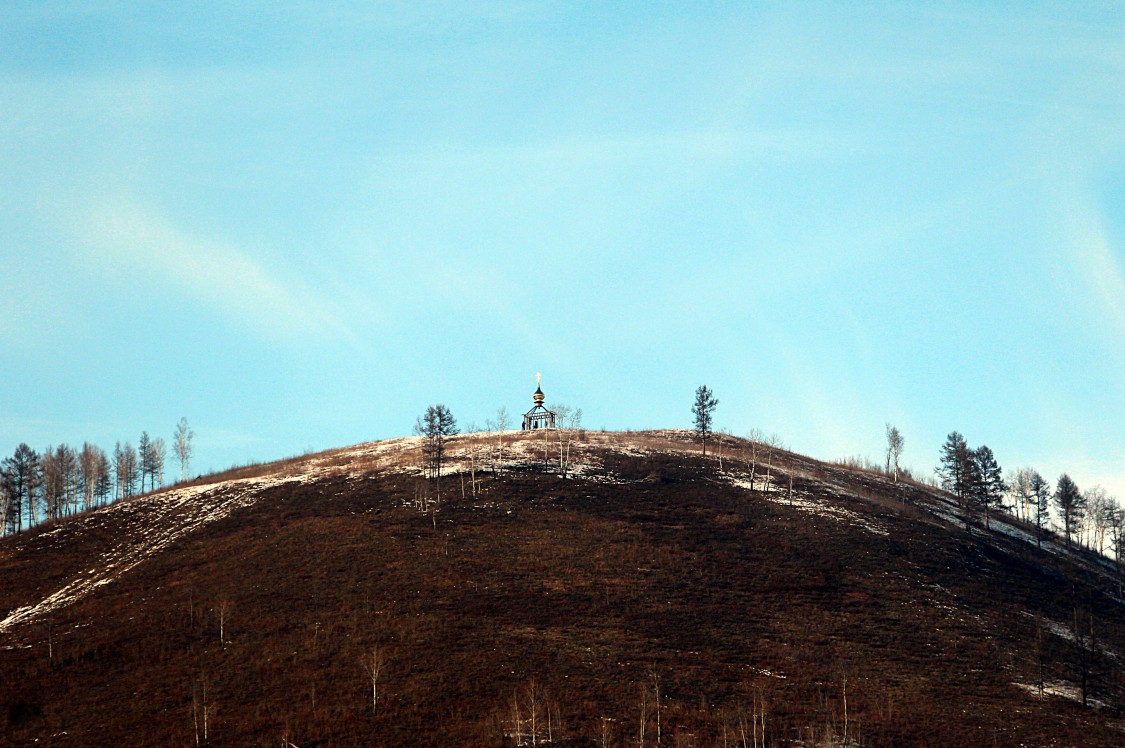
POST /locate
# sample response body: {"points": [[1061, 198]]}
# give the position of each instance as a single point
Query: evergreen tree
{"points": [[1040, 496], [22, 469], [6, 492], [1070, 503], [988, 484], [703, 409], [435, 427], [957, 466]]}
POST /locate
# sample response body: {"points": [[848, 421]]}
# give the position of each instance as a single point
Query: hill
{"points": [[649, 597]]}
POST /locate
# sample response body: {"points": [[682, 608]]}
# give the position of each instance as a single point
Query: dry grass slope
{"points": [[244, 609]]}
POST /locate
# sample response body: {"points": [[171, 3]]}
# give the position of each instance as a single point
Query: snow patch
{"points": [[155, 522], [808, 503], [1061, 689]]}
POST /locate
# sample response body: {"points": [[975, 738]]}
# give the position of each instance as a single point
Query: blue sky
{"points": [[299, 224]]}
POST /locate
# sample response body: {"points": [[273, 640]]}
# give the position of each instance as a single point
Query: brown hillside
{"points": [[755, 616]]}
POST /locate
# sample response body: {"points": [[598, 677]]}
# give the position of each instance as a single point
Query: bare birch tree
{"points": [[895, 443], [159, 452], [182, 446], [1094, 521], [225, 607], [373, 663], [755, 442], [1019, 489], [567, 422], [499, 423], [471, 441]]}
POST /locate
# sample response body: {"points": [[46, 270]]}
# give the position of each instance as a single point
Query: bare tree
{"points": [[529, 713], [60, 482], [1019, 488], [472, 449], [644, 714], [499, 423], [703, 409], [125, 468], [1094, 521], [201, 710], [182, 446], [772, 443], [51, 485], [373, 663], [1115, 521], [895, 443], [104, 486], [755, 437], [225, 607], [68, 466], [144, 453], [88, 468], [567, 422], [606, 732], [159, 453]]}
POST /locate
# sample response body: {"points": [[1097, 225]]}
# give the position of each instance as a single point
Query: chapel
{"points": [[538, 417]]}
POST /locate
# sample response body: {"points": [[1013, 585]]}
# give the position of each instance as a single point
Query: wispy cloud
{"points": [[121, 233], [1101, 269]]}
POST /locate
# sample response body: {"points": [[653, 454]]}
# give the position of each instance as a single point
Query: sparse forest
{"points": [[62, 481]]}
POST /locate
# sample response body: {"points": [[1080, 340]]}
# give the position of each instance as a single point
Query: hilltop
{"points": [[820, 605]]}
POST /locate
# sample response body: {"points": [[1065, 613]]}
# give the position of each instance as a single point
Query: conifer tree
{"points": [[956, 466], [435, 427], [988, 484], [1070, 503], [22, 469], [1040, 496], [703, 409]]}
